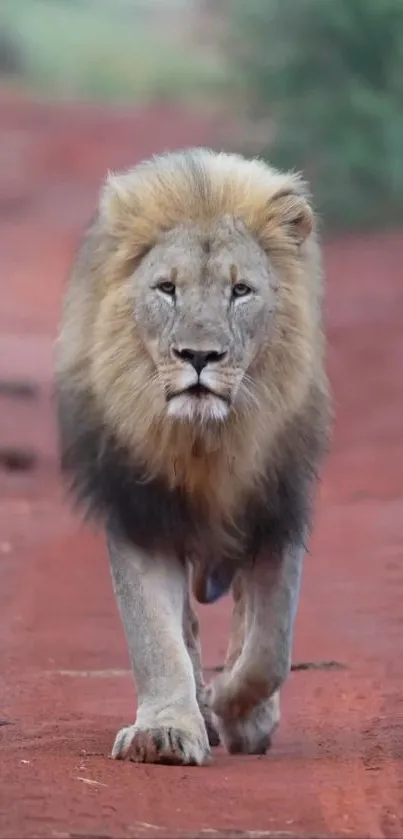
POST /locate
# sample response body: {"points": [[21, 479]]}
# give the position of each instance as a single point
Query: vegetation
{"points": [[101, 49], [318, 83], [331, 75]]}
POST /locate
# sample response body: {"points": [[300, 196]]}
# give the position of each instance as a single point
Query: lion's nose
{"points": [[199, 359]]}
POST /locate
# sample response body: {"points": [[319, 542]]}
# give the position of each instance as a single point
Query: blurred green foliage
{"points": [[330, 73], [324, 77], [112, 50]]}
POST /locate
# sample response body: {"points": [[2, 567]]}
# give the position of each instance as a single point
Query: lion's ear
{"points": [[115, 203], [292, 209], [124, 218]]}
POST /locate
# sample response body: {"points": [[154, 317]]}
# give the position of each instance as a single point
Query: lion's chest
{"points": [[215, 484]]}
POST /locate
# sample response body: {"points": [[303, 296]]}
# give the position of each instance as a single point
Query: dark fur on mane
{"points": [[105, 479]]}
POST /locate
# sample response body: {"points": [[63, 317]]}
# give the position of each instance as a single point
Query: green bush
{"points": [[110, 50], [330, 73], [11, 58]]}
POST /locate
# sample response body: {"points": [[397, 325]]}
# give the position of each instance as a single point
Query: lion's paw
{"points": [[208, 716], [251, 734], [234, 696], [162, 744], [212, 732]]}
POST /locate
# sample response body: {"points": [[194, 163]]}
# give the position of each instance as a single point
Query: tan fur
{"points": [[101, 353], [242, 453], [238, 627]]}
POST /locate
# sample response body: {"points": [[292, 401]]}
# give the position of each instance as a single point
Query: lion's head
{"points": [[203, 280]]}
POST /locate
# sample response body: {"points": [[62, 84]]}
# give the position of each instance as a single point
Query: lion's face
{"points": [[204, 306]]}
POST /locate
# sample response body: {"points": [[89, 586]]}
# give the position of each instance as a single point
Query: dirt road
{"points": [[336, 766]]}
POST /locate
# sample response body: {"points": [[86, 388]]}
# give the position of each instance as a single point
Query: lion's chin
{"points": [[198, 409]]}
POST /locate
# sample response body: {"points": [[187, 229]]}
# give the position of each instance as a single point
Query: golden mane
{"points": [[101, 359], [200, 187]]}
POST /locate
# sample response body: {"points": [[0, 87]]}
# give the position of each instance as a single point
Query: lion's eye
{"points": [[167, 288], [240, 290]]}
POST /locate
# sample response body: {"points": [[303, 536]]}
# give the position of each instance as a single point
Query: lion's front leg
{"points": [[151, 594], [245, 698]]}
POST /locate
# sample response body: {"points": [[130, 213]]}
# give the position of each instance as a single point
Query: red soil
{"points": [[336, 766]]}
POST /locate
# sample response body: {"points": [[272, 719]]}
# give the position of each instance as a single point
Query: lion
{"points": [[194, 413]]}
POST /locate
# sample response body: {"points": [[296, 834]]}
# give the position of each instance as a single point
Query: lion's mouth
{"points": [[198, 391]]}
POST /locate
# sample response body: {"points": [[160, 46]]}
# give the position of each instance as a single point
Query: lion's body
{"points": [[218, 480]]}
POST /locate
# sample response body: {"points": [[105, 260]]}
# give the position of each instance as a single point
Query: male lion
{"points": [[194, 409]]}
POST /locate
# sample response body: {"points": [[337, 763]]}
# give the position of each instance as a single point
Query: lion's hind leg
{"points": [[192, 641]]}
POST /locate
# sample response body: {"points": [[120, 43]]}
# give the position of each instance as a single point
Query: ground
{"points": [[336, 765]]}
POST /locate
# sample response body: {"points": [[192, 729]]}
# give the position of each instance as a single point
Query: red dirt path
{"points": [[336, 766]]}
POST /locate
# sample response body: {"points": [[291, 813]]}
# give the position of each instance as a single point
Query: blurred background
{"points": [[91, 85], [316, 85]]}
